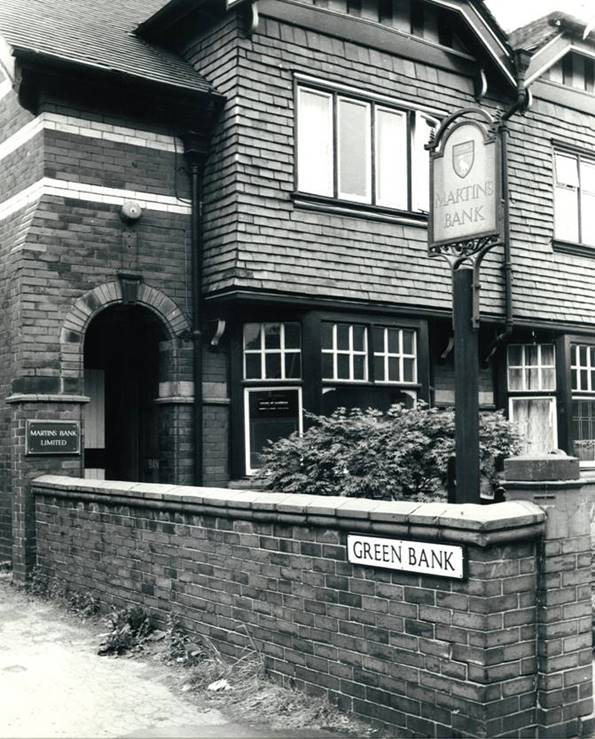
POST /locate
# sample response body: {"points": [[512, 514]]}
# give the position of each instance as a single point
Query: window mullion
{"points": [[263, 365], [401, 358], [335, 118], [579, 198], [386, 360], [410, 115], [282, 349], [372, 153], [335, 353]]}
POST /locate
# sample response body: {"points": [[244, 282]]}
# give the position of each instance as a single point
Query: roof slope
{"points": [[97, 33], [536, 34]]}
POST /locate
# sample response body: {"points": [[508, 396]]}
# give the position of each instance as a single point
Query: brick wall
{"points": [[428, 655], [13, 232], [65, 243]]}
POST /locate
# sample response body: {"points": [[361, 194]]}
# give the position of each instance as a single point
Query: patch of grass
{"points": [[251, 697]]}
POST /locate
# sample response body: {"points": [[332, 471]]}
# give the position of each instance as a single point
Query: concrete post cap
{"points": [[542, 467]]}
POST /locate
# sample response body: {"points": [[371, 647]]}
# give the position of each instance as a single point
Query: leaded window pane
{"points": [[252, 336], [253, 366], [272, 336], [292, 336]]}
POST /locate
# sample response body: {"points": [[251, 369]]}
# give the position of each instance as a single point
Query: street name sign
{"points": [[421, 557], [53, 437], [465, 186]]}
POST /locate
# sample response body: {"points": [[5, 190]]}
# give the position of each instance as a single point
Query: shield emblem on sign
{"points": [[463, 156]]}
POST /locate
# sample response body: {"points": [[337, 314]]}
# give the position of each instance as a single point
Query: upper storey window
{"points": [[574, 198], [362, 151], [574, 70]]}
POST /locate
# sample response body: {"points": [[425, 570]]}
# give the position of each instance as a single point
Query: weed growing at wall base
{"points": [[402, 454], [83, 604]]}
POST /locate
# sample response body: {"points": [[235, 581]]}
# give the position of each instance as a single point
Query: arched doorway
{"points": [[121, 363]]}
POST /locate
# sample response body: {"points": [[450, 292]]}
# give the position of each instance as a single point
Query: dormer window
{"points": [[414, 17], [574, 70]]}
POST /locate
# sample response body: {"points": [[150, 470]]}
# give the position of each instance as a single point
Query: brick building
{"points": [[214, 217]]}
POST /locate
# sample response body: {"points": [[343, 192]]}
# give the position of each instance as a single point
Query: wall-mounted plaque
{"points": [[53, 437]]}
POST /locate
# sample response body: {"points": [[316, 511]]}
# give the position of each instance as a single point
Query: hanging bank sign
{"points": [[464, 185]]}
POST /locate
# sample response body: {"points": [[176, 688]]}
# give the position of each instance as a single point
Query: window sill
{"points": [[271, 381], [358, 210], [571, 247], [366, 383]]}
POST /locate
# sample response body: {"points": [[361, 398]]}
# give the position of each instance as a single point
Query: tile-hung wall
{"points": [[315, 212]]}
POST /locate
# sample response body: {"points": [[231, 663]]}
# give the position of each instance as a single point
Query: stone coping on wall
{"points": [[468, 523]]}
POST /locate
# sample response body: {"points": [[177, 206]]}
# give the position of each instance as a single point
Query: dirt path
{"points": [[53, 684]]}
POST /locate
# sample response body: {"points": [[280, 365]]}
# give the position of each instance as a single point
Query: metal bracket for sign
{"points": [[470, 251]]}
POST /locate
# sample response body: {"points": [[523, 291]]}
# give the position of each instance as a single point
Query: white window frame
{"points": [[416, 136], [266, 389], [351, 353], [400, 355], [282, 351], [402, 114], [579, 158], [525, 367], [589, 367], [367, 197], [584, 463], [301, 162], [581, 393], [553, 410]]}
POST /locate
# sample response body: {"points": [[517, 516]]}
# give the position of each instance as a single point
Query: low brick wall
{"points": [[431, 656]]}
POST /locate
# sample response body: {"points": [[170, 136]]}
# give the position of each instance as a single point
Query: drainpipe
{"points": [[195, 149], [521, 104]]}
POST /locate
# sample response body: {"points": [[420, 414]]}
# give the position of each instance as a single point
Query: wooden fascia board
{"points": [[566, 96], [546, 57], [485, 34]]}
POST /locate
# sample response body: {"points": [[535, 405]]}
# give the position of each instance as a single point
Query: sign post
{"points": [[465, 223]]}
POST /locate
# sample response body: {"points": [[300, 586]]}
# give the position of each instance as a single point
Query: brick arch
{"points": [[89, 305]]}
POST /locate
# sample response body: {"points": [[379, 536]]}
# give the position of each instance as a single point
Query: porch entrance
{"points": [[121, 361]]}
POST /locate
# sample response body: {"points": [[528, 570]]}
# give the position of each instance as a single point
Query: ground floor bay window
{"points": [[582, 380], [317, 361], [551, 395]]}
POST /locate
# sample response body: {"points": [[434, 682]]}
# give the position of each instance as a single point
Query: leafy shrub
{"points": [[402, 454], [180, 647], [128, 628]]}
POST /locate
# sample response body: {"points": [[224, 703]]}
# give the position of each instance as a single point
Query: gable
{"points": [[463, 27]]}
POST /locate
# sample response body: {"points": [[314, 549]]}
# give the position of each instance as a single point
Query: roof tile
{"points": [[98, 33]]}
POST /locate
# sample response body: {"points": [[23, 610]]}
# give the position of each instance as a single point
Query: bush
{"points": [[400, 455], [128, 629]]}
